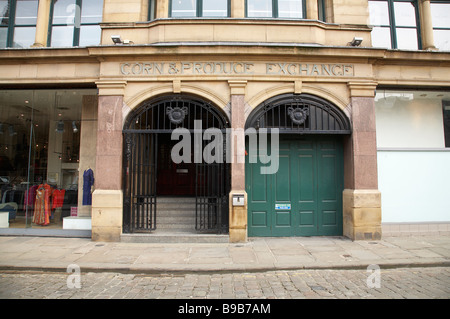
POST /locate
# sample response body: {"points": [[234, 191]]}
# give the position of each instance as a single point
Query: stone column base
{"points": [[238, 219], [362, 214], [107, 215]]}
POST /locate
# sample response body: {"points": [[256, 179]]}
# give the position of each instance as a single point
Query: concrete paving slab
{"points": [[256, 254]]}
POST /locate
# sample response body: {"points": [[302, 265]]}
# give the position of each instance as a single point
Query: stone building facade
{"points": [[234, 65]]}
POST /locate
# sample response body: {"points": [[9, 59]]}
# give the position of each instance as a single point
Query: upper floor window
{"points": [[440, 16], [276, 9], [18, 23], [75, 23], [394, 24], [199, 8]]}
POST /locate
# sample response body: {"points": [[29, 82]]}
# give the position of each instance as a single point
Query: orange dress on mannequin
{"points": [[42, 205]]}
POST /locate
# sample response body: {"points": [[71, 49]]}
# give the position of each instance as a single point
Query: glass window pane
{"points": [[379, 13], [184, 8], [440, 15], [290, 9], [405, 14], [259, 8], [91, 11], [26, 12], [407, 39], [4, 12], [62, 36], [215, 8], [381, 37], [3, 37], [90, 35], [442, 39], [64, 12], [24, 37]]}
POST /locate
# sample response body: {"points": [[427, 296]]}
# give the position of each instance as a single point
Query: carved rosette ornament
{"points": [[177, 114], [298, 115]]}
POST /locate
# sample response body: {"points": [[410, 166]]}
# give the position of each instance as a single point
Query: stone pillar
{"points": [[107, 199], [42, 23], [162, 9], [426, 25], [312, 11], [237, 9], [238, 214], [361, 197]]}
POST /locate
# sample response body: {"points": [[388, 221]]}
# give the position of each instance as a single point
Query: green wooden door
{"points": [[304, 197]]}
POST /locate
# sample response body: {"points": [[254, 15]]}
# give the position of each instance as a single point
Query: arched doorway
{"points": [[151, 177], [304, 197]]}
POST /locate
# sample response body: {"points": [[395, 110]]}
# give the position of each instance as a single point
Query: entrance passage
{"points": [[173, 179], [163, 193], [304, 198]]}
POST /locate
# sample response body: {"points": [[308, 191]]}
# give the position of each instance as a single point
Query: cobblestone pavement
{"points": [[426, 282]]}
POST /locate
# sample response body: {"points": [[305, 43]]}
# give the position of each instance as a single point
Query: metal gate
{"points": [[143, 136]]}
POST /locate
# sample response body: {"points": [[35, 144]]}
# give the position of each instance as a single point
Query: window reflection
{"points": [[184, 8], [215, 8], [381, 37], [290, 9], [407, 39], [440, 13], [26, 12], [405, 14], [259, 8], [76, 22], [394, 24]]}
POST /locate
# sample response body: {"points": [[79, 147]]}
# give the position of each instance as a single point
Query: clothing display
{"points": [[88, 182], [58, 198], [42, 205], [30, 197]]}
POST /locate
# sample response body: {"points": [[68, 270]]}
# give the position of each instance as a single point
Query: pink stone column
{"points": [[107, 199], [238, 214], [109, 143], [363, 154], [361, 197]]}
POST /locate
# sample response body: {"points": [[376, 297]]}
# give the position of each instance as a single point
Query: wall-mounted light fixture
{"points": [[356, 42], [74, 127], [116, 39]]}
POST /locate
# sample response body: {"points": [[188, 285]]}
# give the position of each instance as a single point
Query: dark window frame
{"points": [[12, 23], [76, 24], [393, 26], [275, 12], [199, 11]]}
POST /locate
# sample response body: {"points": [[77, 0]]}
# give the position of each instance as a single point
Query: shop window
{"points": [[440, 14], [412, 119], [395, 24], [40, 145], [199, 8], [75, 23], [276, 9], [18, 23]]}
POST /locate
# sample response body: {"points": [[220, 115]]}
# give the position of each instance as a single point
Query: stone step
{"points": [[174, 237], [175, 200]]}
